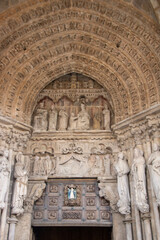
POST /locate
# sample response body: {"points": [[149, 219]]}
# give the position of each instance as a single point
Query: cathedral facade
{"points": [[80, 119]]}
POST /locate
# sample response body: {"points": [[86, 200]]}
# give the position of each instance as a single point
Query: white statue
{"points": [[106, 117], [138, 172], [63, 120], [40, 118], [20, 186], [122, 170], [72, 122], [52, 119], [154, 165], [4, 177], [83, 122]]}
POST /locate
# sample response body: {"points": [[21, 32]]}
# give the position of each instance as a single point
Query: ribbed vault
{"points": [[107, 41]]}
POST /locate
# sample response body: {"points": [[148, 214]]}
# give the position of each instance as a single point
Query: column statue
{"points": [[106, 117], [139, 179], [63, 120], [154, 165], [122, 170], [4, 177], [52, 118], [40, 118], [20, 186], [83, 122]]}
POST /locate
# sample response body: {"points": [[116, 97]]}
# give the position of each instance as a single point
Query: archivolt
{"points": [[48, 39]]}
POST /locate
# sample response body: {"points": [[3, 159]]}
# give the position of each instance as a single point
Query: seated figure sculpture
{"points": [[83, 121]]}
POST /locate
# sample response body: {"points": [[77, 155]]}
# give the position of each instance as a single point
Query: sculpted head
{"points": [[138, 152], [120, 155], [155, 147], [6, 153]]}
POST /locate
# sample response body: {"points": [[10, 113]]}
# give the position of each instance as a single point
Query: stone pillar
{"points": [[128, 221], [119, 231], [12, 221], [147, 226], [23, 229], [108, 190]]}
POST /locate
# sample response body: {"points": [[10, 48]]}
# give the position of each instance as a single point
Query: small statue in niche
{"points": [[72, 122], [83, 122], [20, 186], [107, 165], [63, 120], [154, 166], [4, 177], [40, 118], [53, 114], [106, 117], [122, 170], [72, 193], [139, 178], [47, 164]]}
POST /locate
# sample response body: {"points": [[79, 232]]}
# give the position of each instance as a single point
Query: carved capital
{"points": [[35, 192]]}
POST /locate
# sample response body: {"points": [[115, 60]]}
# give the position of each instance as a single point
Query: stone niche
{"points": [[73, 103]]}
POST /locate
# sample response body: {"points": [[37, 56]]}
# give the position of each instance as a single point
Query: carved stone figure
{"points": [[106, 116], [52, 119], [4, 177], [72, 122], [122, 170], [47, 164], [83, 122], [138, 172], [63, 120], [40, 118], [20, 186], [154, 165]]}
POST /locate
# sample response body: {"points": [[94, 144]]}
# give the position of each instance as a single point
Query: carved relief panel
{"points": [[73, 103], [68, 201]]}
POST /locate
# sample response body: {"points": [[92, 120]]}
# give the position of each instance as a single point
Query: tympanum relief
{"points": [[84, 106]]}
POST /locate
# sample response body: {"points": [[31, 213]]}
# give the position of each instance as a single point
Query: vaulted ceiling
{"points": [[109, 41]]}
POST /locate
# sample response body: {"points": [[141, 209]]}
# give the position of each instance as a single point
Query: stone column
{"points": [[128, 221], [147, 226], [119, 231], [23, 228], [108, 190], [12, 221]]}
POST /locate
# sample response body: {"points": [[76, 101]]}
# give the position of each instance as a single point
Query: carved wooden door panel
{"points": [[68, 202]]}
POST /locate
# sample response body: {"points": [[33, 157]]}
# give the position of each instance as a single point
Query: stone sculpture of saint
{"points": [[39, 168], [53, 114], [122, 170], [4, 177], [83, 122], [154, 166], [139, 179], [106, 118], [20, 186], [40, 118], [63, 120], [72, 122]]}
